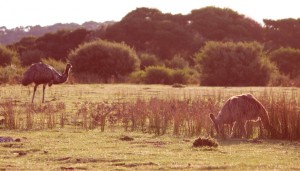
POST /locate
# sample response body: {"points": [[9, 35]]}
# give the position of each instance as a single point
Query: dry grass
{"points": [[149, 109]]}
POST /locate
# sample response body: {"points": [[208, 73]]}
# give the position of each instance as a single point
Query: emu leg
{"points": [[44, 87], [34, 90]]}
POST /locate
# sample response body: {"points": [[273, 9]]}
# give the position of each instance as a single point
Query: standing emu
{"points": [[40, 73], [238, 110]]}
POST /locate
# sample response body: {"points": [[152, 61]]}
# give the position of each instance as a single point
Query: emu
{"points": [[40, 73], [238, 110]]}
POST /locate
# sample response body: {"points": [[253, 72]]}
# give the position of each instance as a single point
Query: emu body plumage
{"points": [[40, 73]]}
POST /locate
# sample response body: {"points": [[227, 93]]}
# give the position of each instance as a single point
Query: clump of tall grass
{"points": [[155, 115], [8, 112], [32, 116], [93, 114], [284, 112]]}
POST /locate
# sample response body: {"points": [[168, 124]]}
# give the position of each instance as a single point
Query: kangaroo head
{"points": [[215, 122]]}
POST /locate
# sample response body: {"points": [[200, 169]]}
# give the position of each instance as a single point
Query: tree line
{"points": [[210, 46], [10, 36]]}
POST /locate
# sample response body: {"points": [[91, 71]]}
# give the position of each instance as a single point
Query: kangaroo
{"points": [[240, 109]]}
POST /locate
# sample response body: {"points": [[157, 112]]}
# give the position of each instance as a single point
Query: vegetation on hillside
{"points": [[10, 36], [174, 41]]}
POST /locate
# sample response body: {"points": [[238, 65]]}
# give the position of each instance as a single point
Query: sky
{"points": [[15, 13]]}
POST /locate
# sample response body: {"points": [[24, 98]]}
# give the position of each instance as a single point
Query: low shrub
{"points": [[137, 77], [10, 74], [163, 75], [8, 57], [158, 75], [208, 142]]}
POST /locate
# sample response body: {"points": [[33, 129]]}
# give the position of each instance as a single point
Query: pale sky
{"points": [[14, 13]]}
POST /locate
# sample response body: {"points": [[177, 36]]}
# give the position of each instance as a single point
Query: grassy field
{"points": [[63, 149], [69, 93], [73, 146]]}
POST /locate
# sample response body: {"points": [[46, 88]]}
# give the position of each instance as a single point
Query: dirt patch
{"points": [[205, 142], [86, 160], [73, 168], [12, 145], [126, 138], [135, 164], [154, 143], [20, 153], [255, 141]]}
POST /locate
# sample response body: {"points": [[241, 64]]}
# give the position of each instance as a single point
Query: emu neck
{"points": [[64, 77]]}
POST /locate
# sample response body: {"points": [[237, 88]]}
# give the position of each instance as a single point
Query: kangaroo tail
{"points": [[264, 116]]}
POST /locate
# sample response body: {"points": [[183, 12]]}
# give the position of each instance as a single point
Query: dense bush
{"points": [[138, 77], [31, 56], [105, 59], [7, 56], [10, 74], [234, 64], [160, 75], [148, 60], [177, 62], [180, 76], [58, 65], [287, 61]]}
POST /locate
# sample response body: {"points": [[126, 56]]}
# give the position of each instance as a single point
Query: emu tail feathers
{"points": [[26, 82], [28, 77]]}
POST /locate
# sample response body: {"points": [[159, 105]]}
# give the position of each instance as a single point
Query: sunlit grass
{"points": [[94, 150]]}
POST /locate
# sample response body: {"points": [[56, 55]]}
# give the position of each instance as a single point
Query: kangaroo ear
{"points": [[212, 117]]}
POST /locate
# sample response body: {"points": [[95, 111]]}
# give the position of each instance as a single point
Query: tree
{"points": [[287, 61], [25, 44], [233, 64], [282, 33], [7, 56], [105, 59], [151, 31], [58, 45], [29, 57], [224, 25]]}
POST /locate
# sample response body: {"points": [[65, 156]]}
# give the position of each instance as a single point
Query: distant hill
{"points": [[9, 36]]}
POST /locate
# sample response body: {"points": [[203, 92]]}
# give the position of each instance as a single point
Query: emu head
{"points": [[67, 70], [68, 66], [215, 122]]}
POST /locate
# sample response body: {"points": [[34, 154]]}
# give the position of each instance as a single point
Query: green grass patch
{"points": [[67, 148]]}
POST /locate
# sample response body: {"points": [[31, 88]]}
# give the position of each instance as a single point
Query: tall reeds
{"points": [[170, 115], [31, 116]]}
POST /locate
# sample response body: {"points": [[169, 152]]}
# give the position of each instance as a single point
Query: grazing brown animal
{"points": [[238, 110], [40, 73]]}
